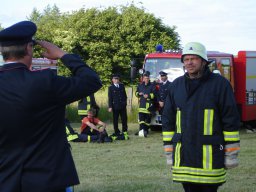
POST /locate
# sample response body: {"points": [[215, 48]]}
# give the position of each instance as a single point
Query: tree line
{"points": [[106, 39]]}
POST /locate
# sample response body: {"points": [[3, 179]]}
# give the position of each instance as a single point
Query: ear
{"points": [[29, 48]]}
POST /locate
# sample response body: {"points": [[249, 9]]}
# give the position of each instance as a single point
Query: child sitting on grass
{"points": [[94, 128]]}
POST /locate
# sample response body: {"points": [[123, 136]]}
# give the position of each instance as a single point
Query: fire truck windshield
{"points": [[172, 66]]}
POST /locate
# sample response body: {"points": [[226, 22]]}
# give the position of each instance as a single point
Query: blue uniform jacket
{"points": [[34, 152], [163, 91], [117, 98], [200, 117]]}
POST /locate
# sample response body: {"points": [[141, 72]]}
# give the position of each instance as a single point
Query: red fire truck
{"points": [[240, 70]]}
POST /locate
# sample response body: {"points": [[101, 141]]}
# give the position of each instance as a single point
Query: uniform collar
{"points": [[10, 66]]}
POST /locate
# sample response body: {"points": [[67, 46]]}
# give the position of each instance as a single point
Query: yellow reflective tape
{"points": [[208, 130], [171, 133], [207, 156], [147, 105], [208, 121], [67, 131], [143, 110], [198, 171], [167, 136], [72, 137], [82, 112], [198, 179], [231, 135], [152, 95], [178, 121], [177, 154]]}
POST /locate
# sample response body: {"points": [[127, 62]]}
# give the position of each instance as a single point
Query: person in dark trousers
{"points": [[72, 135], [34, 151], [85, 104], [146, 93], [200, 124], [94, 128], [163, 90], [117, 102]]}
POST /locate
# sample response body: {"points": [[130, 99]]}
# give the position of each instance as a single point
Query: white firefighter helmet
{"points": [[141, 133], [195, 48]]}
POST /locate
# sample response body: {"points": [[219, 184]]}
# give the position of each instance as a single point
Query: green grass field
{"points": [[139, 165]]}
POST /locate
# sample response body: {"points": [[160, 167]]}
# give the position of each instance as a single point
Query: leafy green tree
{"points": [[107, 39]]}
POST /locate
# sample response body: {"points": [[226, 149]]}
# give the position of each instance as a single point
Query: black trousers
{"points": [[144, 121], [191, 187], [123, 114]]}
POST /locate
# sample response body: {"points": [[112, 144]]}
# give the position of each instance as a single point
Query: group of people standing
{"points": [[200, 118], [150, 98]]}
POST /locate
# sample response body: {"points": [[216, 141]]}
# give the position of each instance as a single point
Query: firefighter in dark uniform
{"points": [[85, 104], [117, 102], [34, 151], [146, 94], [200, 124], [163, 90]]}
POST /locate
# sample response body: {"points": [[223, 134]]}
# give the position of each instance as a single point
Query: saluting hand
{"points": [[51, 51]]}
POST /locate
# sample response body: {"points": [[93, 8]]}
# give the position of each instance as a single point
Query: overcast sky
{"points": [[221, 25]]}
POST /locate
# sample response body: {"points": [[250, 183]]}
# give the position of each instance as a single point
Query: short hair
{"points": [[15, 51]]}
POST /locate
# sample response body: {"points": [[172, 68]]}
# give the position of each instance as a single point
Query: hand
{"points": [[145, 96], [51, 51], [230, 161], [231, 154], [101, 129], [110, 109], [140, 93], [169, 160]]}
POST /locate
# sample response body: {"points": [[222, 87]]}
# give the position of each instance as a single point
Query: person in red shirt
{"points": [[94, 128]]}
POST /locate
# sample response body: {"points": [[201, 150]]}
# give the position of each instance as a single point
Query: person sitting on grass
{"points": [[72, 135], [94, 128]]}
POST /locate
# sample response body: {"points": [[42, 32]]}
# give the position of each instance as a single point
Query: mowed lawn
{"points": [[139, 165]]}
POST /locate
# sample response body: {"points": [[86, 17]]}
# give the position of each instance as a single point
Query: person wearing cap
{"points": [[34, 151], [200, 124], [163, 90], [146, 94], [117, 102]]}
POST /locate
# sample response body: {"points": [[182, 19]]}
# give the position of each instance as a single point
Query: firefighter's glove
{"points": [[231, 153], [168, 153]]}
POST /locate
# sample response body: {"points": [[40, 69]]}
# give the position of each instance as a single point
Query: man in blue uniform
{"points": [[200, 124], [146, 94], [163, 90], [34, 151], [117, 102]]}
